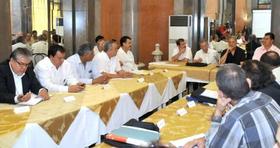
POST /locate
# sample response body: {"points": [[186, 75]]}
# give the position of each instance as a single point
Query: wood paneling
{"points": [[5, 30], [240, 15], [153, 27], [111, 19]]}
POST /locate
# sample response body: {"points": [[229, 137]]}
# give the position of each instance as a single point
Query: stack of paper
{"points": [[32, 101]]}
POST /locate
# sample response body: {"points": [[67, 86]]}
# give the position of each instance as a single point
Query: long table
{"points": [[196, 121], [96, 111], [194, 74]]}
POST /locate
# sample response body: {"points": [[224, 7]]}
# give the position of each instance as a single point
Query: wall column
{"points": [[5, 30]]}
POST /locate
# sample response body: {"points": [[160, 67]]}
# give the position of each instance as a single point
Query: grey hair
{"points": [[21, 52], [232, 37], [85, 48], [231, 80], [108, 46]]}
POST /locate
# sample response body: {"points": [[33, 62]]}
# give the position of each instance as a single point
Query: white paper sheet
{"points": [[32, 101], [163, 64], [183, 141], [210, 94]]}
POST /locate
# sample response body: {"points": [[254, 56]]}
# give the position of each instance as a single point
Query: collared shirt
{"points": [[40, 47], [18, 84], [55, 80], [261, 50], [239, 56], [276, 73], [19, 45], [95, 50], [252, 122], [187, 54], [106, 64], [127, 60], [220, 46], [211, 57], [83, 72]]}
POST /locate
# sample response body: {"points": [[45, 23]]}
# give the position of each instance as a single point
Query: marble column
{"points": [[79, 23], [5, 30], [130, 23], [198, 23], [275, 16]]}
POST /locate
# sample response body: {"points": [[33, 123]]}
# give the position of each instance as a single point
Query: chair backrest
{"points": [[37, 57]]}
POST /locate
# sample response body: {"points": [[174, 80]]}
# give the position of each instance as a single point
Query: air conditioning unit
{"points": [[180, 26], [59, 26]]}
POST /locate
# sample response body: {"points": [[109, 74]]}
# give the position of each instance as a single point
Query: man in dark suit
{"points": [[17, 79]]}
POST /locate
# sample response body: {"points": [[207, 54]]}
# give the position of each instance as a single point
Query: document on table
{"points": [[163, 64], [210, 94], [183, 141], [32, 101]]}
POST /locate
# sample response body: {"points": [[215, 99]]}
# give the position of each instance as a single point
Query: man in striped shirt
{"points": [[243, 118]]}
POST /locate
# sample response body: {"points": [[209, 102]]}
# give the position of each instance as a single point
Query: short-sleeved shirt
{"points": [[238, 56], [187, 54]]}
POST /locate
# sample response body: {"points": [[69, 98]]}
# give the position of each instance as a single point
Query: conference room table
{"points": [[196, 121], [93, 112], [204, 74]]}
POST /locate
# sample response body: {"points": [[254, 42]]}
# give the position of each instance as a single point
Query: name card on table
{"points": [[165, 70], [106, 86], [191, 104], [161, 123], [69, 98], [22, 109], [181, 112], [140, 80]]}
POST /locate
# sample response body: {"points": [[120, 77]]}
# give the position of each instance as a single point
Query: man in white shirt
{"points": [[273, 59], [205, 54], [182, 52], [56, 74], [17, 79], [41, 46], [267, 45], [125, 55], [99, 40], [83, 67], [221, 45], [20, 43], [107, 62]]}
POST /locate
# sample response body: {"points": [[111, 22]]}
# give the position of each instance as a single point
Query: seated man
{"points": [[56, 74], [267, 45], [125, 55], [99, 40], [205, 54], [262, 78], [273, 59], [233, 54], [107, 62], [41, 46], [84, 69], [242, 118], [182, 52], [17, 79]]}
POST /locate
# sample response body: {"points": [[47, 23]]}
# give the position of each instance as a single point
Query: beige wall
{"points": [[212, 9], [241, 15]]}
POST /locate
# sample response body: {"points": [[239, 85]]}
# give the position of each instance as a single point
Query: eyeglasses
{"points": [[23, 64]]}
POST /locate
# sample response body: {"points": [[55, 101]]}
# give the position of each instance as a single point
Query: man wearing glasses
{"points": [[17, 79]]}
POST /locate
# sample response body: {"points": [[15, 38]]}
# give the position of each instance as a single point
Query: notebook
{"points": [[134, 135]]}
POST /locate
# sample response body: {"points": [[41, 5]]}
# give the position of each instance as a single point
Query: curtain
{"points": [[40, 15]]}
